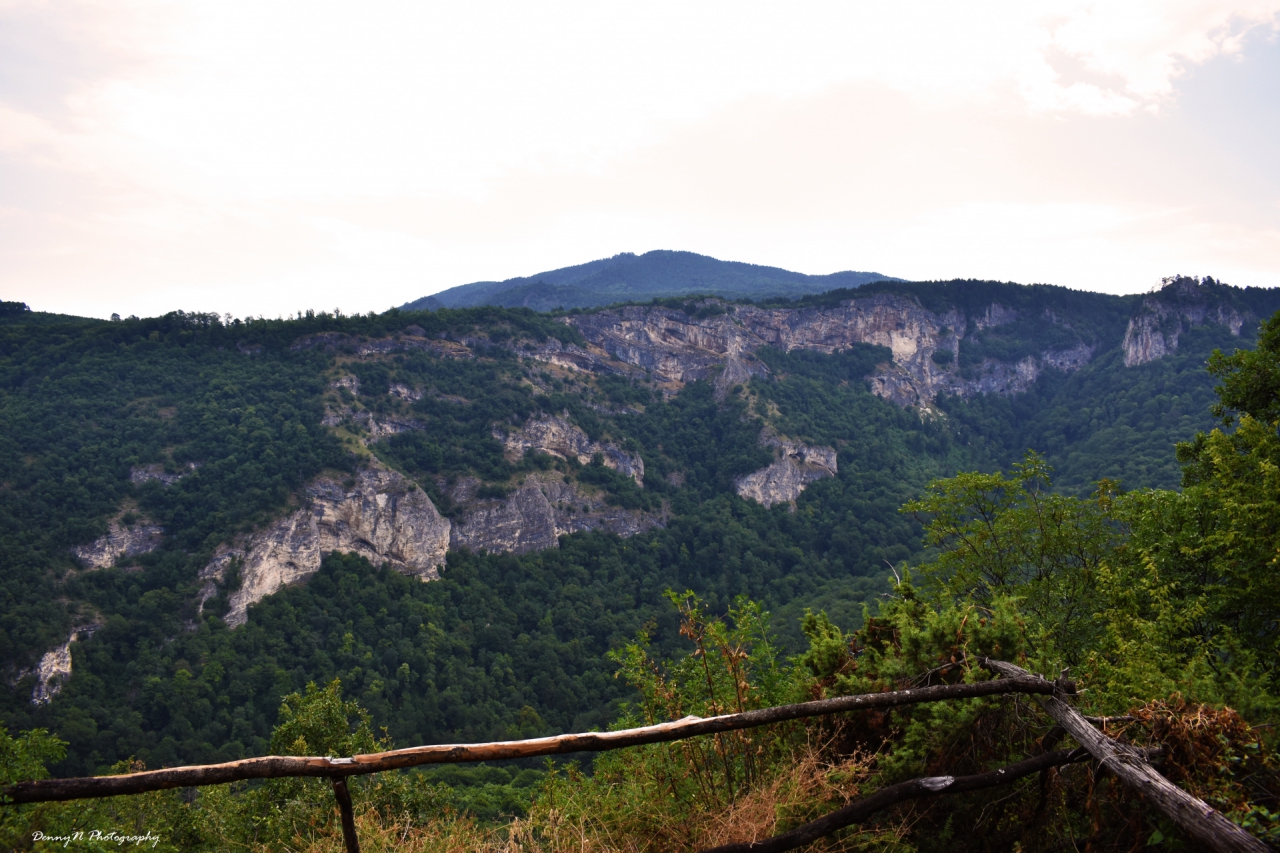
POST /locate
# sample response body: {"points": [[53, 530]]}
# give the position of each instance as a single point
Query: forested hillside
{"points": [[164, 442]]}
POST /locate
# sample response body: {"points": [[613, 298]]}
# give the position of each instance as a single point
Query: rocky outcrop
{"points": [[882, 319], [121, 541], [381, 516], [592, 359], [669, 343], [54, 668], [375, 427], [1182, 303], [795, 466], [676, 346], [541, 510], [1145, 341], [1068, 360], [737, 370], [404, 392], [140, 474], [52, 671], [558, 437], [910, 333]]}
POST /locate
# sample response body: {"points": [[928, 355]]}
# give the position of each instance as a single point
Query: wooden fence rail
{"points": [[276, 766], [338, 769]]}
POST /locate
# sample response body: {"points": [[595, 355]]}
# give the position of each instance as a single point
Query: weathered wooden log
{"points": [[343, 796], [1192, 815], [932, 786], [276, 766]]}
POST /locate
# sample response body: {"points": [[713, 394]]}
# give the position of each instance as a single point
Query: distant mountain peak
{"points": [[628, 277]]}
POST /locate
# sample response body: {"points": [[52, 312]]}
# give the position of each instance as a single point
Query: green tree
{"points": [[1222, 540], [319, 722], [1250, 378], [1011, 535]]}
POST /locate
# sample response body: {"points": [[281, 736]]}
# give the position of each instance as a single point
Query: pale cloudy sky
{"points": [[263, 157]]}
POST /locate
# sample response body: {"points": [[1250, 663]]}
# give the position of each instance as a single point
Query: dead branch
{"points": [[1192, 815], [861, 809], [276, 766]]}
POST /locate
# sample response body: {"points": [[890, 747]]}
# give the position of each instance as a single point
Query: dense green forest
{"points": [[209, 692], [233, 412]]}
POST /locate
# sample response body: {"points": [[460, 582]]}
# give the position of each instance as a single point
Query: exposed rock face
{"points": [[540, 511], [385, 520], [390, 425], [54, 668], [382, 516], [674, 346], [668, 342], [794, 467], [911, 334], [593, 359], [1068, 359], [558, 437], [1182, 303], [404, 392], [140, 474], [52, 671], [1144, 341], [376, 427], [120, 541], [882, 319]]}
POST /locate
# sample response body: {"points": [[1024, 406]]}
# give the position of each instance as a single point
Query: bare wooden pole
{"points": [[276, 766], [343, 796], [861, 809], [1192, 815]]}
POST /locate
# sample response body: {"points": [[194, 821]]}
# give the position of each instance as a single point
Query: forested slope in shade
{"points": [[238, 418]]}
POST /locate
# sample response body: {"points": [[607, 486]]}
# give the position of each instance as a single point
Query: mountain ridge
{"points": [[627, 277], [161, 477]]}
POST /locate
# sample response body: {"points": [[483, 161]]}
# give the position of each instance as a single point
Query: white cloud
{"points": [[246, 148]]}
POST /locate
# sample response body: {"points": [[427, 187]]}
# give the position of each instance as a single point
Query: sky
{"points": [[260, 158]]}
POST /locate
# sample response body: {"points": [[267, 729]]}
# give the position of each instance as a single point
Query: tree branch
{"points": [[1192, 815], [276, 766], [860, 810]]}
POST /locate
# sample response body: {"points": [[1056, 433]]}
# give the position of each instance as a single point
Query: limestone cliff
{"points": [[676, 346], [667, 341], [1181, 304], [380, 515], [591, 359], [121, 541], [795, 466], [533, 517], [558, 437], [54, 668]]}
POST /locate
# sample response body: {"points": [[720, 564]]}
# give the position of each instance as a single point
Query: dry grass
{"points": [[809, 787]]}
